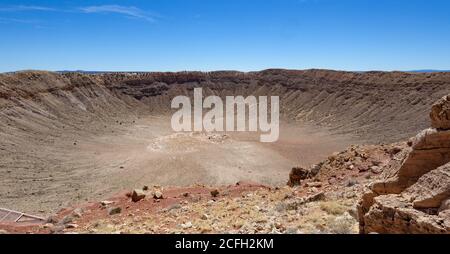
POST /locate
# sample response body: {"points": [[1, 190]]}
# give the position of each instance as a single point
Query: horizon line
{"points": [[227, 70]]}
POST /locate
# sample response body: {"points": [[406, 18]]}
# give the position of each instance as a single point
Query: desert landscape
{"points": [[359, 152]]}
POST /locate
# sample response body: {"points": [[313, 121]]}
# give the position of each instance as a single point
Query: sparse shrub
{"points": [[344, 224], [333, 207]]}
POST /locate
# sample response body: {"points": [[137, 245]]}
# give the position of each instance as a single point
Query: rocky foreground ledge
{"points": [[414, 196]]}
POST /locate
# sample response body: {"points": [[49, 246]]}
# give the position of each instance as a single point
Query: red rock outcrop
{"points": [[415, 191]]}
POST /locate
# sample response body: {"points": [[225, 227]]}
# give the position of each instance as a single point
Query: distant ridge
{"points": [[425, 71], [102, 72], [99, 72], [85, 72]]}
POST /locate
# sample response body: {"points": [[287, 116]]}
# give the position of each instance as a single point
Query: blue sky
{"points": [[175, 35]]}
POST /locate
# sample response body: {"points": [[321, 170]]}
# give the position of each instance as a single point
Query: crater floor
{"points": [[145, 151]]}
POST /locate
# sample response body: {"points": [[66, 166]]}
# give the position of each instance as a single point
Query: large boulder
{"points": [[440, 114], [412, 196], [297, 175], [431, 190], [421, 208], [137, 195], [430, 149], [394, 214]]}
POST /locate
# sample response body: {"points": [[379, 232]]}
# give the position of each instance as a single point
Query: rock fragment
{"points": [[114, 210], [137, 195], [314, 184], [66, 220], [157, 195], [77, 213], [186, 225], [297, 175], [106, 202], [52, 219], [215, 193]]}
